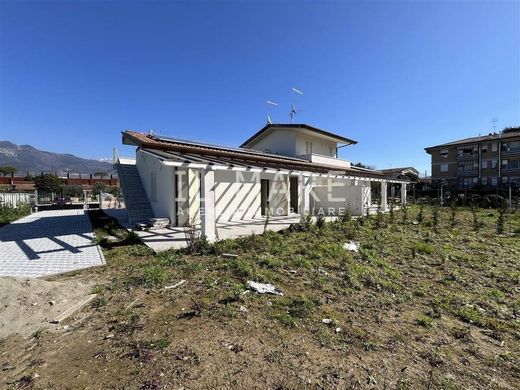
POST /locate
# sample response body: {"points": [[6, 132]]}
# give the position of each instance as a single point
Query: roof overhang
{"points": [[307, 128], [208, 156]]}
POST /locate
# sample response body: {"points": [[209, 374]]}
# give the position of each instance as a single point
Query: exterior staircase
{"points": [[136, 201]]}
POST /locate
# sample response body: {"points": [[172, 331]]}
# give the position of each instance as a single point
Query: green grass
{"points": [[407, 277]]}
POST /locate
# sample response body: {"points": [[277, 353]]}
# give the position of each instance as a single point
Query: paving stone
{"points": [[48, 243]]}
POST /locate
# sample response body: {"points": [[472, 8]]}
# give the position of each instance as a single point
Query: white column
{"points": [[305, 190], [208, 204], [403, 193], [384, 200]]}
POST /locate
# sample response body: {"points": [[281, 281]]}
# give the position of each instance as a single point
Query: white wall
{"points": [[319, 145], [163, 205], [237, 196], [334, 197], [188, 196], [293, 142], [281, 141]]}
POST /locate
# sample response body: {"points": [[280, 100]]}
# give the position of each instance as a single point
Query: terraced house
{"points": [[487, 161], [283, 171]]}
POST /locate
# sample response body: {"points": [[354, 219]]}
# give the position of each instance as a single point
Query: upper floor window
{"points": [[484, 164], [494, 147], [484, 148], [444, 153], [308, 147], [331, 150], [444, 167]]}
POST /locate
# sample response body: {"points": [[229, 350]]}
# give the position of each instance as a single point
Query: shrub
{"points": [[476, 222], [320, 221], [347, 215], [420, 216], [392, 213], [48, 182], [501, 219], [9, 214], [453, 213], [404, 208]]}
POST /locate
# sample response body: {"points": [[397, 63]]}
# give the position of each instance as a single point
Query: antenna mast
{"points": [[269, 103], [292, 113], [494, 120]]}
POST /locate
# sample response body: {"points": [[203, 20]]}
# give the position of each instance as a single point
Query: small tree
{"points": [[476, 221], [101, 175], [453, 213], [404, 208], [347, 215], [7, 170], [420, 216], [99, 187], [392, 214], [72, 190], [380, 222], [48, 182]]}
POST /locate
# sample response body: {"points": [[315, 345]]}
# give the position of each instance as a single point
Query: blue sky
{"points": [[396, 76]]}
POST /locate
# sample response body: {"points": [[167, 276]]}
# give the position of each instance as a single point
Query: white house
{"points": [[283, 170]]}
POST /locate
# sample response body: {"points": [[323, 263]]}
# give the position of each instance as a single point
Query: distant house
{"points": [[399, 172], [492, 160], [282, 170]]}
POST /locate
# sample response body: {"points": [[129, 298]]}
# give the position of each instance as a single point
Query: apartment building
{"points": [[485, 161]]}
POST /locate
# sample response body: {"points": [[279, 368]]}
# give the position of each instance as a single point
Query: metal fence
{"points": [[15, 199]]}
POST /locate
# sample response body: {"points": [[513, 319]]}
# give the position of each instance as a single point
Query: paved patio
{"points": [[48, 243], [162, 239]]}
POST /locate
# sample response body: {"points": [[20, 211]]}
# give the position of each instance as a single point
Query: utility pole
{"points": [[510, 209]]}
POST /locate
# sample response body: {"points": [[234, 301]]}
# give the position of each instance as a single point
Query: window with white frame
{"points": [[484, 148], [494, 147], [494, 180], [493, 164], [484, 164], [444, 167], [444, 153]]}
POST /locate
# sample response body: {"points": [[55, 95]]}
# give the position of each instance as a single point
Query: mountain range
{"points": [[27, 158]]}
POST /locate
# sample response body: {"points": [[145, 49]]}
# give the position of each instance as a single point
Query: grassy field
{"points": [[433, 304]]}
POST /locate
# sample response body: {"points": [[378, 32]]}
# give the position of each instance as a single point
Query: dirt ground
{"points": [[28, 305], [415, 308]]}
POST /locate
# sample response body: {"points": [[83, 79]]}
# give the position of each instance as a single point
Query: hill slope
{"points": [[26, 158]]}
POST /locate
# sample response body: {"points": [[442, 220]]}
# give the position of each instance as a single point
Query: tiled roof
{"points": [[489, 137], [227, 155]]}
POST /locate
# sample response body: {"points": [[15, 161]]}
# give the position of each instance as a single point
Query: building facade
{"points": [[489, 161], [282, 170]]}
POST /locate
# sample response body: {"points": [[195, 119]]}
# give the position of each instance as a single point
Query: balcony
{"points": [[325, 160], [511, 153], [511, 170], [468, 173], [466, 157]]}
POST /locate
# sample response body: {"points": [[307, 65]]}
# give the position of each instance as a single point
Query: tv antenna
{"points": [[269, 103], [292, 113], [494, 120]]}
